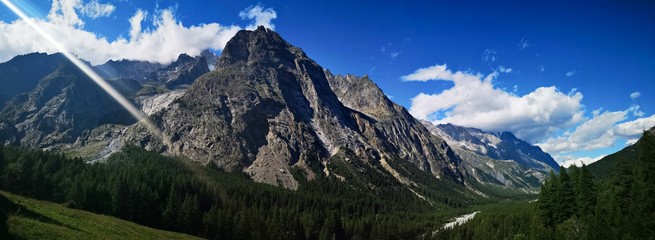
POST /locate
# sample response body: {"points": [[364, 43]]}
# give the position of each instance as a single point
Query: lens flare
{"points": [[86, 69]]}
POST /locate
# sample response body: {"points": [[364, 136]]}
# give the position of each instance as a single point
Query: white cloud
{"points": [[593, 134], [489, 55], [571, 73], [567, 161], [135, 23], [94, 9], [523, 44], [634, 129], [162, 43], [393, 55], [262, 17], [474, 101], [504, 69], [601, 131], [63, 13], [635, 95]]}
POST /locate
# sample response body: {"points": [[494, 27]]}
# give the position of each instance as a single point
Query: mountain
{"points": [[499, 158], [181, 72], [404, 134], [127, 69], [64, 105], [603, 168], [211, 57], [22, 73], [268, 109]]}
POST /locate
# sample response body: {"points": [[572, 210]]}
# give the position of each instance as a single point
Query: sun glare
{"points": [[86, 69]]}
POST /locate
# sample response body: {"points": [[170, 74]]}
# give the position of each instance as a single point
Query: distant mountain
{"points": [[63, 105], [127, 69], [211, 57], [183, 71], [603, 168], [22, 73], [267, 109], [497, 157]]}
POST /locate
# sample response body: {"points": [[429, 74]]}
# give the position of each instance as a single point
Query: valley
{"points": [[262, 142]]}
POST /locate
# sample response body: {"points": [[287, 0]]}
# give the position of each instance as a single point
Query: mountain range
{"points": [[263, 107]]}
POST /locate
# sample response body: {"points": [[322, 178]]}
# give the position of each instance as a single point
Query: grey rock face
{"points": [[22, 73], [497, 158], [212, 58], [398, 131], [268, 107], [63, 105], [127, 69], [181, 72]]}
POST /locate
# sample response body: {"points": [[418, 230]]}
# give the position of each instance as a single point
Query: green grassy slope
{"points": [[25, 218]]}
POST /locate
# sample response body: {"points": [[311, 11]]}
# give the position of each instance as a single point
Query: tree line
{"points": [[180, 195], [575, 205]]}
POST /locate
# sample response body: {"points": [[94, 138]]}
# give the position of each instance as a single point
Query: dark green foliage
{"points": [[179, 195], [574, 205]]}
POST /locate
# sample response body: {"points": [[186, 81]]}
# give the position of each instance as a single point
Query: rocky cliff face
{"points": [[181, 72], [22, 73], [212, 58], [402, 133], [61, 108], [497, 157], [127, 69], [267, 108]]}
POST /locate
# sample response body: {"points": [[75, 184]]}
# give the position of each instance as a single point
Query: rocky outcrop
{"points": [[402, 133], [211, 57], [267, 107], [63, 105], [22, 73], [127, 69], [498, 158], [182, 72]]}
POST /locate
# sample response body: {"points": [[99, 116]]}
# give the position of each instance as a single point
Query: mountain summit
{"points": [[268, 108]]}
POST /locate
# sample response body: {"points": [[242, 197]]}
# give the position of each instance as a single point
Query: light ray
{"points": [[87, 70]]}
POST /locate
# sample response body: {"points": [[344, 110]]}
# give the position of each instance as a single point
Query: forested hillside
{"points": [[575, 205], [180, 195]]}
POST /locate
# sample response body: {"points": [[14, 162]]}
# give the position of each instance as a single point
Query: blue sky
{"points": [[565, 75]]}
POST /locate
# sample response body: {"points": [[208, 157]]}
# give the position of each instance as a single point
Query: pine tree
{"points": [[565, 197], [547, 200], [586, 197]]}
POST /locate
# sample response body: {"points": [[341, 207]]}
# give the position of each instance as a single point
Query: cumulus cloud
{"points": [[601, 131], [634, 129], [163, 43], [567, 161], [261, 16], [94, 9], [635, 95], [504, 69], [593, 134], [474, 101]]}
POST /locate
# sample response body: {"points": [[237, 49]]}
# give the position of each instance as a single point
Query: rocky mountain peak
{"points": [[268, 108], [22, 73], [182, 72], [496, 145], [261, 46]]}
